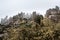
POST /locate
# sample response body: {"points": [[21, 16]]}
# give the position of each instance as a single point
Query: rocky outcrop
{"points": [[53, 14]]}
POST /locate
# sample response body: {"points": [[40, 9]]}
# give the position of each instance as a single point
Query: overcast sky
{"points": [[12, 7]]}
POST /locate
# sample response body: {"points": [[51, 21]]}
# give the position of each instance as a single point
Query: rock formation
{"points": [[53, 14]]}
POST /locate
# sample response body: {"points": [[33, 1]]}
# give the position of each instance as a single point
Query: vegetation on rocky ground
{"points": [[37, 29]]}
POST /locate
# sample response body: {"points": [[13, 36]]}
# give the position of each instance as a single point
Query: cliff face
{"points": [[53, 14]]}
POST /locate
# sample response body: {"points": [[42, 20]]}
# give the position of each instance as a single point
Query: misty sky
{"points": [[12, 7]]}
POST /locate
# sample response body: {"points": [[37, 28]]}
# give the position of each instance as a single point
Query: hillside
{"points": [[35, 27]]}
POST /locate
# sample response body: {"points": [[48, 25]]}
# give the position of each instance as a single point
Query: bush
{"points": [[38, 19]]}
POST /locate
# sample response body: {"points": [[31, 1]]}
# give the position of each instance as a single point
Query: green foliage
{"points": [[38, 19], [57, 27], [32, 30], [47, 22]]}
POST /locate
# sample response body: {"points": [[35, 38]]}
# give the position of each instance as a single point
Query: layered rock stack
{"points": [[53, 14]]}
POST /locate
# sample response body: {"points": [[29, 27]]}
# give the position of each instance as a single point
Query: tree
{"points": [[57, 8], [4, 20], [38, 19]]}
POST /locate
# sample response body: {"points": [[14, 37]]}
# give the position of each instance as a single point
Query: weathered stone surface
{"points": [[53, 14]]}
